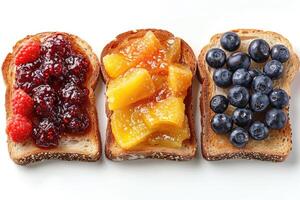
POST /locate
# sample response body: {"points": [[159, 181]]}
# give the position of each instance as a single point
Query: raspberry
{"points": [[28, 53], [19, 128], [22, 103]]}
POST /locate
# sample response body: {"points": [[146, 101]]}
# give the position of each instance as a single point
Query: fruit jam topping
{"points": [[53, 75], [146, 92]]}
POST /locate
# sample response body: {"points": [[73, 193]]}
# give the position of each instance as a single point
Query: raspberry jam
{"points": [[55, 82]]}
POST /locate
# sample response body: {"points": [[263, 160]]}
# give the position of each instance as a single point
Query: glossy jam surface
{"points": [[55, 81], [146, 92]]}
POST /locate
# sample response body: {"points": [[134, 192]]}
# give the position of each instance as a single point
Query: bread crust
{"points": [[210, 141], [63, 151], [116, 153]]}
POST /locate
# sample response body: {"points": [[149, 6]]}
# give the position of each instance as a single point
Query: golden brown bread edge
{"points": [[254, 149], [93, 135], [112, 150]]}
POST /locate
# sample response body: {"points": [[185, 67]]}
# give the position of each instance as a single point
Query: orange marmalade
{"points": [[146, 92]]}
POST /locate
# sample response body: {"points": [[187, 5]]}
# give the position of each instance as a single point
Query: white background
{"points": [[98, 22]]}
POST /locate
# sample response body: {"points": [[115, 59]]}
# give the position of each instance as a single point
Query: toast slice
{"points": [[217, 147], [85, 147], [112, 150]]}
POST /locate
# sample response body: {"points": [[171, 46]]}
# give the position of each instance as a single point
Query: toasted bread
{"points": [[84, 147], [217, 147], [112, 150]]}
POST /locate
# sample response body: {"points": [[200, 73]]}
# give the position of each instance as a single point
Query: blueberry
{"points": [[222, 77], [259, 50], [219, 103], [273, 69], [258, 131], [230, 41], [238, 60], [215, 58], [262, 84], [259, 102], [242, 116], [241, 77], [279, 98], [238, 96], [221, 123], [276, 118], [254, 72], [239, 137], [280, 52]]}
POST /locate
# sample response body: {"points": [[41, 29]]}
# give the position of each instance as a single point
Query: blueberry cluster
{"points": [[250, 90]]}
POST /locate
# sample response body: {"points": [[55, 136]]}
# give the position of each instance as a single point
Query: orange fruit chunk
{"points": [[173, 53], [135, 85], [179, 79], [116, 64], [142, 48], [170, 136], [169, 111], [129, 128]]}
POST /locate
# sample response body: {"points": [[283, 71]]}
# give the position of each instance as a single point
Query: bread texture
{"points": [[84, 147], [112, 150], [217, 146]]}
